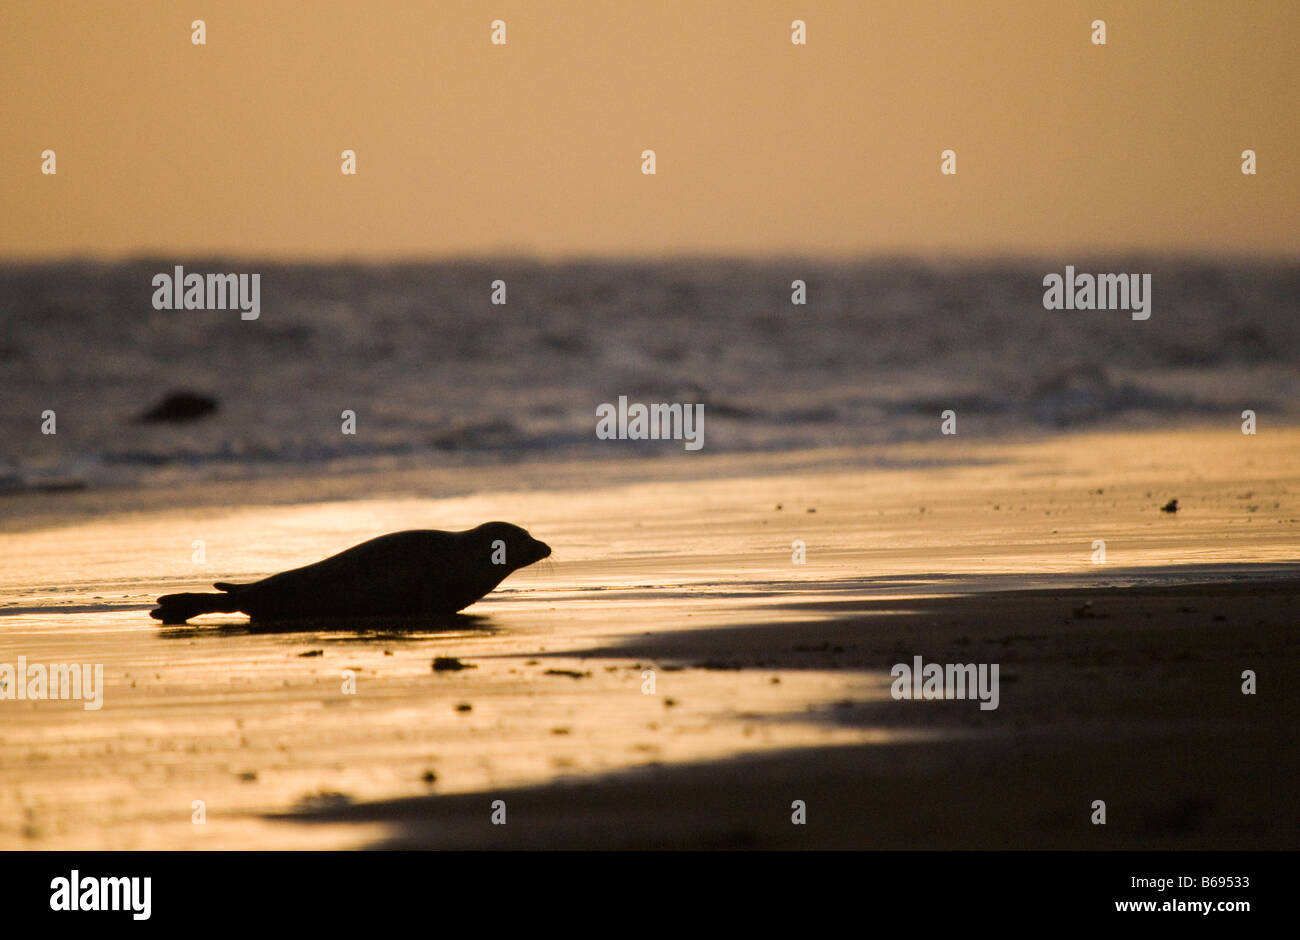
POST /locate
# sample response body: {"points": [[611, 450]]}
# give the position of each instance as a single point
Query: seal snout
{"points": [[523, 548]]}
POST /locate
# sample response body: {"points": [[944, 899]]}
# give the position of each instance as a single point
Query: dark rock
{"points": [[180, 406]]}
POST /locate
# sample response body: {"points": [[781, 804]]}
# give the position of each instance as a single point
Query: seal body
{"points": [[418, 573]]}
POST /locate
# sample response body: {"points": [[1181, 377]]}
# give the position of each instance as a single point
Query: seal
{"points": [[417, 573]]}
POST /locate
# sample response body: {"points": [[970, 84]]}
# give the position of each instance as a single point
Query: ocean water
{"points": [[438, 375]]}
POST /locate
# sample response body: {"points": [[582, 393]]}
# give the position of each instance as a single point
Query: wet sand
{"points": [[1120, 680], [1138, 704]]}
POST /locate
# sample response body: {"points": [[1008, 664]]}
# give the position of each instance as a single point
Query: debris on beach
{"points": [[450, 664], [1171, 506], [571, 673], [323, 800]]}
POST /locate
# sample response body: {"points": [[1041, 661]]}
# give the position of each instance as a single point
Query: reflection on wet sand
{"points": [[771, 679]]}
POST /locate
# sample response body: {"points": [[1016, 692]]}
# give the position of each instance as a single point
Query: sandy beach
{"points": [[1120, 679]]}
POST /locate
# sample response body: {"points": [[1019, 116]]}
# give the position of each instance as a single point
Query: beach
{"points": [[445, 434], [768, 596]]}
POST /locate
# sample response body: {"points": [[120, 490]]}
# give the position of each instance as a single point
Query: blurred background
{"points": [[522, 162], [466, 148]]}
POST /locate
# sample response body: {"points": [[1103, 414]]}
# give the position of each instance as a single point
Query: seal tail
{"points": [[178, 608]]}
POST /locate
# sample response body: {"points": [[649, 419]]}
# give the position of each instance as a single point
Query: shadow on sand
{"points": [[1129, 695]]}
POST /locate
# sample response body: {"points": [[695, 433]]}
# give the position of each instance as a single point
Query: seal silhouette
{"points": [[421, 572]]}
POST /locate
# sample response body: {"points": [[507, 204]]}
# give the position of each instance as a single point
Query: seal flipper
{"points": [[178, 608]]}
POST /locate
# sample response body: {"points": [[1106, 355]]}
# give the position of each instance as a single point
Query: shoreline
{"points": [[768, 670], [438, 475]]}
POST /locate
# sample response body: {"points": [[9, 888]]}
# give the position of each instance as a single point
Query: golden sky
{"points": [[763, 147]]}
